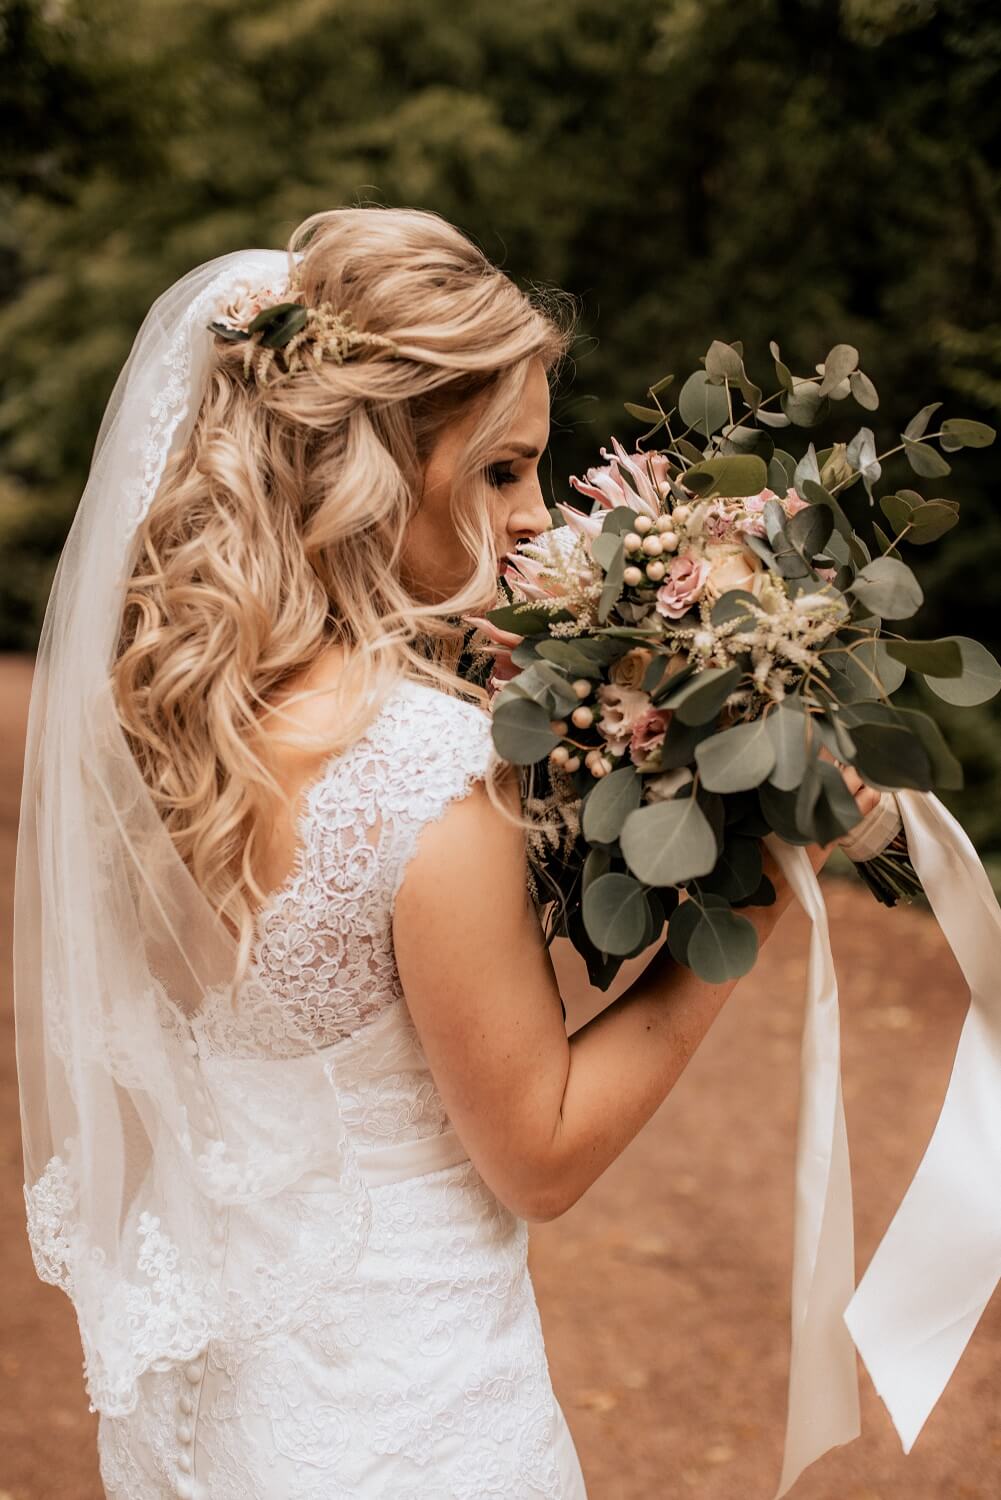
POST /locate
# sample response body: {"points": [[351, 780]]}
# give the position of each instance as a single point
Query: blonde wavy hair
{"points": [[277, 531]]}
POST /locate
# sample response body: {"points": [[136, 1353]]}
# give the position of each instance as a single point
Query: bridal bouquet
{"points": [[685, 660]]}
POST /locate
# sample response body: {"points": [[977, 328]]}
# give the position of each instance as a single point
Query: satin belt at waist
{"points": [[395, 1163]]}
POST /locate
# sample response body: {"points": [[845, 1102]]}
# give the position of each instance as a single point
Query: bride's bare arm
{"points": [[541, 1115]]}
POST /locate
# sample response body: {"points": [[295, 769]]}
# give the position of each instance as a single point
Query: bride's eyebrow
{"points": [[524, 450]]}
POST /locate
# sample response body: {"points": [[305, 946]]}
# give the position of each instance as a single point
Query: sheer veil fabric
{"points": [[116, 950]]}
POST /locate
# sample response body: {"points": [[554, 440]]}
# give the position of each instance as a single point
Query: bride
{"points": [[294, 1070]]}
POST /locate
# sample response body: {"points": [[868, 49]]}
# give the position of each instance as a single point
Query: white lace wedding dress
{"points": [[423, 1374]]}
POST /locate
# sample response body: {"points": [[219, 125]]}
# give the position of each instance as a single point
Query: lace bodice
{"points": [[323, 954], [324, 937]]}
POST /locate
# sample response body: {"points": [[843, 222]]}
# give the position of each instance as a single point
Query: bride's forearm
{"points": [[625, 1061]]}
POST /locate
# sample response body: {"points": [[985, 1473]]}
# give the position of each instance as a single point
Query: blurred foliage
{"points": [[811, 171]]}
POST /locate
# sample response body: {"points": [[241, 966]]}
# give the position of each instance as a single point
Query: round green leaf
{"points": [[615, 912], [980, 679], [932, 520], [863, 390], [703, 406], [701, 697], [943, 658], [608, 804], [733, 474], [959, 432], [787, 728], [736, 759], [521, 731], [669, 842], [888, 755], [888, 588], [841, 361], [722, 945], [926, 461]]}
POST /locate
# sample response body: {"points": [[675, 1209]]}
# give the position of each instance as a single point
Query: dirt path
{"points": [[664, 1292]]}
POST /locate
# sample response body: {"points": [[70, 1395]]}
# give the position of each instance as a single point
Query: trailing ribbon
{"points": [[939, 1262]]}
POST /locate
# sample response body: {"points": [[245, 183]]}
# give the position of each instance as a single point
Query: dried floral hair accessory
{"points": [[292, 336]]}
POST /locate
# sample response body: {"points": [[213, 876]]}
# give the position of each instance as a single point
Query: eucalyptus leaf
{"points": [[818, 495], [918, 425], [959, 432], [683, 921], [888, 588], [734, 604], [804, 405], [645, 413], [898, 508], [736, 759], [738, 870], [781, 370], [703, 406], [606, 546], [778, 808], [613, 583], [809, 529], [617, 520], [735, 474], [864, 391], [615, 912], [886, 546], [702, 697], [926, 461], [888, 754], [946, 769], [524, 618], [981, 677], [521, 731], [608, 804], [932, 520], [722, 945], [669, 842], [941, 658], [598, 862], [841, 361], [678, 746], [836, 812], [788, 730]]}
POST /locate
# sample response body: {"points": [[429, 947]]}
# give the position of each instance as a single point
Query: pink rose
{"points": [[648, 732], [686, 578]]}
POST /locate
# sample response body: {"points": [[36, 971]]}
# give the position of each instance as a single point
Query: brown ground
{"points": [[664, 1292]]}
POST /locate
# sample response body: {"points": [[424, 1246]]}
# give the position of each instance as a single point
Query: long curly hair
{"points": [[277, 531]]}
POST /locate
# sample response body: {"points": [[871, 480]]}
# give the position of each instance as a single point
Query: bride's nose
{"points": [[529, 517]]}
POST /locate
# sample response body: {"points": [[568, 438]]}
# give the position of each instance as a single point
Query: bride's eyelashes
{"points": [[500, 474]]}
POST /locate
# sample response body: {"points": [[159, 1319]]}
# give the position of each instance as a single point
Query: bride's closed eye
{"points": [[501, 474]]}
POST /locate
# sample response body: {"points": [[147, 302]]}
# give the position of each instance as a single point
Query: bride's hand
{"points": [[865, 796]]}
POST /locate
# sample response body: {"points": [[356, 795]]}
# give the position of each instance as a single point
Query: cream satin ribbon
{"points": [[939, 1262]]}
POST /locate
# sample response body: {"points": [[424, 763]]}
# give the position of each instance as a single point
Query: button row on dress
{"points": [[184, 1485]]}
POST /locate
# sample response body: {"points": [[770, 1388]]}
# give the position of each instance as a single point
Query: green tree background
{"points": [[811, 171]]}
